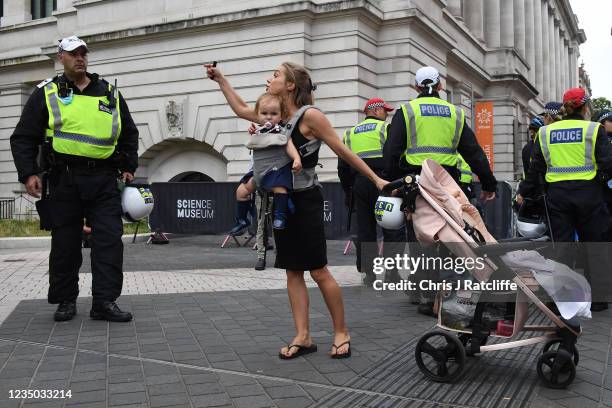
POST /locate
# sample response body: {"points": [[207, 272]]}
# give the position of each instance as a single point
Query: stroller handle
{"points": [[399, 183]]}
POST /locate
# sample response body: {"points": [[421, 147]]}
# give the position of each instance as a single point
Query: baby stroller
{"points": [[441, 213]]}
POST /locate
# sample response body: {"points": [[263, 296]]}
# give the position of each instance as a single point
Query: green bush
{"points": [[31, 228]]}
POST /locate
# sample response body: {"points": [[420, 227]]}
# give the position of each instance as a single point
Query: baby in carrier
{"points": [[274, 156]]}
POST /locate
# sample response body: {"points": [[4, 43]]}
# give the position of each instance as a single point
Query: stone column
{"points": [[473, 11], [558, 62], [507, 23], [552, 87], [545, 53], [568, 80], [454, 6], [15, 12], [519, 27], [564, 69], [530, 40], [537, 42], [492, 27], [573, 55]]}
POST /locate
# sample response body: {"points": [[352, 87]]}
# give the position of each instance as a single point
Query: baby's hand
{"points": [[297, 166], [252, 129]]}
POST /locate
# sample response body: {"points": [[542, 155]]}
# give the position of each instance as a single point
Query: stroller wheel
{"points": [[554, 344], [440, 356], [556, 369], [466, 340]]}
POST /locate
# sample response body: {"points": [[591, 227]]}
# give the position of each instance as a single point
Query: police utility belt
{"points": [[66, 163]]}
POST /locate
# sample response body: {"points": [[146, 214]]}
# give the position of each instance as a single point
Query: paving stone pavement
{"points": [[210, 337]]}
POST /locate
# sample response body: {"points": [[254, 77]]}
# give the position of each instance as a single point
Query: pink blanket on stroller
{"points": [[441, 195]]}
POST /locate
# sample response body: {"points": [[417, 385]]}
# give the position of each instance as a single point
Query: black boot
{"points": [[260, 265], [109, 311], [242, 221], [65, 311], [281, 204]]}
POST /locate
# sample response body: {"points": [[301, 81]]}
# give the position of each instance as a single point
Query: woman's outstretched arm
{"points": [[321, 128], [238, 105]]}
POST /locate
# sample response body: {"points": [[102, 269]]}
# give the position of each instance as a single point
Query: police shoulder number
{"points": [[43, 83]]}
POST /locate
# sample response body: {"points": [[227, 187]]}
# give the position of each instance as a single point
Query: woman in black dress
{"points": [[301, 245]]}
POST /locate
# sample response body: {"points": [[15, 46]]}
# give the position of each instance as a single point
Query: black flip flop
{"points": [[300, 352], [343, 355]]}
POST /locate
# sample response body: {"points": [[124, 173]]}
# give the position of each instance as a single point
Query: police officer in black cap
{"points": [[89, 141]]}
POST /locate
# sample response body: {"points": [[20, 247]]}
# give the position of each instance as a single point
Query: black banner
{"points": [[209, 208]]}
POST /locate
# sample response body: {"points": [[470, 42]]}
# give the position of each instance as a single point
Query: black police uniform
{"points": [[79, 188], [397, 166], [577, 206], [364, 193]]}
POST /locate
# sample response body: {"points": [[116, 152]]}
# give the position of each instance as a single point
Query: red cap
{"points": [[377, 103], [575, 97]]}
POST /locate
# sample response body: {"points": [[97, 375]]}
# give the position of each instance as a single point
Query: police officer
{"points": [[535, 124], [89, 140], [366, 140], [569, 153], [466, 177], [552, 112], [430, 128], [605, 118]]}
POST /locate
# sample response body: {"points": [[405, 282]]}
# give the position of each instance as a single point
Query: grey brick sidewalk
{"points": [[196, 341], [220, 349]]}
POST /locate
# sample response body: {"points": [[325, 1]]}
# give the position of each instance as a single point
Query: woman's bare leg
{"points": [[298, 297], [333, 299]]}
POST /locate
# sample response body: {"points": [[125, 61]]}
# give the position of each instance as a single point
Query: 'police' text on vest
{"points": [[365, 128], [566, 136], [435, 110]]}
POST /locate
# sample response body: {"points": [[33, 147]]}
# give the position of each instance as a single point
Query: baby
{"points": [[274, 155]]}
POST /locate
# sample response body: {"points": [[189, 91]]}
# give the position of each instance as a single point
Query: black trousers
{"points": [[76, 194], [365, 196], [580, 207]]}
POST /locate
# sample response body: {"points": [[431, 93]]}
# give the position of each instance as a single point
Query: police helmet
{"points": [[605, 115], [536, 123], [530, 221], [136, 202], [388, 212]]}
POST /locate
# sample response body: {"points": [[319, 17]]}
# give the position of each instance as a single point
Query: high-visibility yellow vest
{"points": [[367, 139], [85, 127], [568, 148], [464, 169], [433, 129]]}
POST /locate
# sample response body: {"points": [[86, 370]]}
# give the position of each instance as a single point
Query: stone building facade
{"points": [[517, 54]]}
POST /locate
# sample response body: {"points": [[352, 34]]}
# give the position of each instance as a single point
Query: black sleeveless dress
{"points": [[301, 246]]}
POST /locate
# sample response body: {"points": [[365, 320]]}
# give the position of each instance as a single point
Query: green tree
{"points": [[599, 105]]}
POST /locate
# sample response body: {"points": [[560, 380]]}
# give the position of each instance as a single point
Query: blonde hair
{"points": [[298, 75], [268, 96]]}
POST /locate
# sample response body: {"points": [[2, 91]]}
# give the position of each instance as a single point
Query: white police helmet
{"points": [[530, 228], [136, 201], [388, 213], [530, 222]]}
